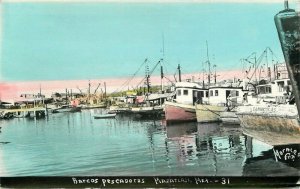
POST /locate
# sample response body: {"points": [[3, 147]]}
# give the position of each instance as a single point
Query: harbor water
{"points": [[76, 144]]}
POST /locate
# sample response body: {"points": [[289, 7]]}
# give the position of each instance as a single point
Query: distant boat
{"points": [[92, 106], [104, 116], [66, 108], [119, 110]]}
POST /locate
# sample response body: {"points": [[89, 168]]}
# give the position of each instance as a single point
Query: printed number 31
{"points": [[225, 181]]}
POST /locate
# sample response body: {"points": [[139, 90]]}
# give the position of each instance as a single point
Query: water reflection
{"points": [[227, 151]]}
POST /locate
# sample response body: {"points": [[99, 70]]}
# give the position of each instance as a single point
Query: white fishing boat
{"points": [[182, 106], [221, 99], [279, 116]]}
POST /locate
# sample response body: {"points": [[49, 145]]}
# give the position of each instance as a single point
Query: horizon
{"points": [[11, 91]]}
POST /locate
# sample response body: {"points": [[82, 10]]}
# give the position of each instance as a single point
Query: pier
{"points": [[37, 111]]}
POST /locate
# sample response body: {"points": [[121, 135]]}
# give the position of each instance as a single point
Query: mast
{"points": [[208, 62], [105, 90], [40, 90], [89, 92], [255, 67], [287, 22], [66, 96], [215, 66], [161, 78], [147, 77], [161, 60], [203, 78]]}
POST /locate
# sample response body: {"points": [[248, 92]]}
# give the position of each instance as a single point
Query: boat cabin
{"points": [[278, 87], [190, 93], [221, 95], [158, 99]]}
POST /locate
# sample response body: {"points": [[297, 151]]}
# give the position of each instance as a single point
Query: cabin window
{"points": [[237, 93], [178, 92], [201, 93], [216, 93], [211, 93], [185, 92], [280, 86]]}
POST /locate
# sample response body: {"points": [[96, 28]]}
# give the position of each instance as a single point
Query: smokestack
{"points": [[286, 4]]}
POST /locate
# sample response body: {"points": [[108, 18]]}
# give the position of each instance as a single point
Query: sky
{"points": [[80, 41]]}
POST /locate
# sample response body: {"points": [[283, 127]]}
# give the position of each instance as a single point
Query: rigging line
{"points": [[273, 54], [131, 78], [258, 61], [140, 82], [154, 67]]}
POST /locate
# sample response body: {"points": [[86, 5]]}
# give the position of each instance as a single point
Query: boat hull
{"points": [[147, 111], [272, 118], [176, 112], [105, 116], [119, 110], [70, 109], [209, 113], [93, 106], [230, 118]]}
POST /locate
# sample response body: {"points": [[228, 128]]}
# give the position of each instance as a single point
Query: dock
{"points": [[37, 111]]}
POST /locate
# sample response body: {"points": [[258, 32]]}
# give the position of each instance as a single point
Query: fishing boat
{"points": [[66, 108], [182, 106], [93, 106], [104, 116], [152, 105], [221, 99], [148, 111], [280, 116]]}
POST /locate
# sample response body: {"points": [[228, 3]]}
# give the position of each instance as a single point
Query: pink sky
{"points": [[11, 91]]}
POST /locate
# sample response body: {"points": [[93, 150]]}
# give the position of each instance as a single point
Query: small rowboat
{"points": [[104, 116]]}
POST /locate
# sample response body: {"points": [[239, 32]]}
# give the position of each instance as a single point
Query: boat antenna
{"points": [[163, 45]]}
